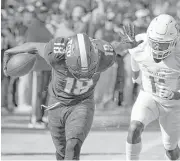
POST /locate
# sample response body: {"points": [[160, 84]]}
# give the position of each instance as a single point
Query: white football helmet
{"points": [[162, 33]]}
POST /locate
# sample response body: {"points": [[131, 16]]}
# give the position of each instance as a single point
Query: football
{"points": [[20, 64]]}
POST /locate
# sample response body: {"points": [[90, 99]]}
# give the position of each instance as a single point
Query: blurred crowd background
{"points": [[41, 20]]}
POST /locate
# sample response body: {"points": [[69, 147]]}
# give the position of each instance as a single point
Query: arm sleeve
{"points": [[55, 51], [106, 53], [134, 65], [136, 74]]}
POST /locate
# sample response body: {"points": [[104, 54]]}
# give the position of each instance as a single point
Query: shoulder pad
{"points": [[103, 46], [106, 54]]}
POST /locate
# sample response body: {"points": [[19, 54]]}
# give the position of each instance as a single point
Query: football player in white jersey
{"points": [[156, 66]]}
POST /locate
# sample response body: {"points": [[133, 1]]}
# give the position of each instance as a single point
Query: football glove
{"points": [[129, 35]]}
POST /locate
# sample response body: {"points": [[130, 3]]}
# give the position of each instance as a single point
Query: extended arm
{"points": [[30, 47], [136, 77], [52, 51]]}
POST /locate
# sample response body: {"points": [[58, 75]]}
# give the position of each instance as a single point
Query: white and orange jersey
{"points": [[166, 73]]}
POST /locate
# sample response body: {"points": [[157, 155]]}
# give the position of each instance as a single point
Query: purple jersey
{"points": [[66, 88]]}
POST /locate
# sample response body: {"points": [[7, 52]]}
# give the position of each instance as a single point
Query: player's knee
{"points": [[73, 147], [134, 132], [173, 154]]}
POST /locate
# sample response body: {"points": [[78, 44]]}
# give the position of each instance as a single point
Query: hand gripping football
{"points": [[20, 64]]}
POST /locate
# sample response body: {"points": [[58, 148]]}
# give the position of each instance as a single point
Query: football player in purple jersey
{"points": [[76, 63]]}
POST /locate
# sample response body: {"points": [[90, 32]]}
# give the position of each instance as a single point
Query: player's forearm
{"points": [[30, 47], [136, 77], [21, 48], [120, 48], [40, 48]]}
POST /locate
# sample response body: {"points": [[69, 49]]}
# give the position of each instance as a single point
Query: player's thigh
{"points": [[57, 128], [46, 80], [170, 128], [144, 109], [78, 123]]}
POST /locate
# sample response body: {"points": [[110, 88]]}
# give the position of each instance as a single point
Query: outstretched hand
{"points": [[128, 35]]}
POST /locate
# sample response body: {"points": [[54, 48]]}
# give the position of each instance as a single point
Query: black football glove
{"points": [[129, 35]]}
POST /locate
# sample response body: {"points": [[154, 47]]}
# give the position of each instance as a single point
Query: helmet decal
{"points": [[82, 50], [82, 59]]}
